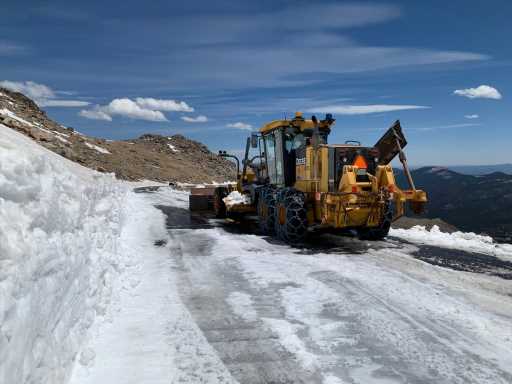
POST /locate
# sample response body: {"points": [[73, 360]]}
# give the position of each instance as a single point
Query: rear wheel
{"points": [[218, 203], [291, 216], [266, 210], [380, 232]]}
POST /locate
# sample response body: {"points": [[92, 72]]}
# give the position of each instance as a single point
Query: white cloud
{"points": [[240, 125], [364, 109], [316, 30], [449, 126], [475, 116], [63, 103], [163, 105], [129, 108], [30, 89], [480, 92], [198, 119], [42, 94], [334, 15], [148, 109], [95, 114]]}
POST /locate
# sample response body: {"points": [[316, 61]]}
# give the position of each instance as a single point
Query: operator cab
{"points": [[297, 150], [284, 142]]}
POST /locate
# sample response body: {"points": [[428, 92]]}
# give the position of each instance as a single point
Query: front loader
{"points": [[298, 183]]}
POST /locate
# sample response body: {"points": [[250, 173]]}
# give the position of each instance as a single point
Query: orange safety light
{"points": [[360, 162]]}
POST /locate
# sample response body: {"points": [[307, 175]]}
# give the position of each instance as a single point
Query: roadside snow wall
{"points": [[59, 230]]}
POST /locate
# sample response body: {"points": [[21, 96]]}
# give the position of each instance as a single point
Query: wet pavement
{"points": [[465, 261]]}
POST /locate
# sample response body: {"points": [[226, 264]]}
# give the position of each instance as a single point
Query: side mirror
{"points": [[254, 140]]}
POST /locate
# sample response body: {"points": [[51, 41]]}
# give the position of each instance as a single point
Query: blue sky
{"points": [[118, 70]]}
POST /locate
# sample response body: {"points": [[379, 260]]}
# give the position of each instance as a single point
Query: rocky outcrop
{"points": [[149, 157]]}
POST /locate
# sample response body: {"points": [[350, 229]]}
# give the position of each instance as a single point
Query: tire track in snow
{"points": [[397, 344], [407, 346], [248, 348], [368, 316]]}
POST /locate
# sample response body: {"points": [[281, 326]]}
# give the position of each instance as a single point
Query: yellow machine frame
{"points": [[354, 204], [361, 200]]}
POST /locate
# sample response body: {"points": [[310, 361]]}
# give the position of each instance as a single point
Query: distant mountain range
{"points": [[481, 204], [478, 170]]}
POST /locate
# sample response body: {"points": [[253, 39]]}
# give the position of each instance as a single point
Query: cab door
{"points": [[274, 157]]}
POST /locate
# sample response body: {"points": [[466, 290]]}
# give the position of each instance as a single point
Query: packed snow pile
{"points": [[59, 230], [235, 198], [466, 241]]}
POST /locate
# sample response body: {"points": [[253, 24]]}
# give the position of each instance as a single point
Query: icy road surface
{"points": [[336, 311]]}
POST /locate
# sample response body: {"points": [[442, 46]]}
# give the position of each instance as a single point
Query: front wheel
{"points": [[291, 216], [266, 210]]}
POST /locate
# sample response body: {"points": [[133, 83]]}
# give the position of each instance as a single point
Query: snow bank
{"points": [[466, 241], [131, 346], [59, 230], [236, 197]]}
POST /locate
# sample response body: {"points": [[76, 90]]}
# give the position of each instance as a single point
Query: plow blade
{"points": [[388, 146]]}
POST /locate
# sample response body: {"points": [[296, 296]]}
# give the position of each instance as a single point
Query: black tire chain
{"points": [[294, 229], [267, 197]]}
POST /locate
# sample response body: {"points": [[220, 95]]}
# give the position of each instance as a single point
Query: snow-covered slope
{"points": [[59, 230]]}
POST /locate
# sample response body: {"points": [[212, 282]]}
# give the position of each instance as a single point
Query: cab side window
{"points": [[274, 157], [270, 154]]}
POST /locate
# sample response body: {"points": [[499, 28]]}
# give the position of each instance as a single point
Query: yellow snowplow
{"points": [[298, 183]]}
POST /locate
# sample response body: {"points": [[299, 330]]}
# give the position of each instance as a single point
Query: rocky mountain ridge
{"points": [[481, 204], [149, 157]]}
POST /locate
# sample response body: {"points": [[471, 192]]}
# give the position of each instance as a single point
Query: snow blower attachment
{"points": [[297, 183]]}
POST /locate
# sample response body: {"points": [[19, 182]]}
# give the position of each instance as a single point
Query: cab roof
{"points": [[298, 122]]}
